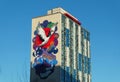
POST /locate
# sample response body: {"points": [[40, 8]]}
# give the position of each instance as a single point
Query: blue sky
{"points": [[101, 18]]}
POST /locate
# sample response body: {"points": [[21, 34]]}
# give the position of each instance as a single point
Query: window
{"points": [[63, 49], [80, 62], [71, 49], [67, 37], [89, 66], [67, 74]]}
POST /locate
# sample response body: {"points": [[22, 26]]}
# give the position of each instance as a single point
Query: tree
{"points": [[0, 70], [24, 75]]}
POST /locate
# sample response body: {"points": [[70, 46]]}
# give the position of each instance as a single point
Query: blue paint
{"points": [[53, 50], [45, 23], [39, 51]]}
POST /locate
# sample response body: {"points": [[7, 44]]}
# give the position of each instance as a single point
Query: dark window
{"points": [[67, 37]]}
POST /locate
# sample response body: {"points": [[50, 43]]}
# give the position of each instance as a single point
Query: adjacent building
{"points": [[60, 49]]}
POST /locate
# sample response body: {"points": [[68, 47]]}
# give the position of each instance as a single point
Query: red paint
{"points": [[72, 18], [37, 41], [50, 42], [47, 30]]}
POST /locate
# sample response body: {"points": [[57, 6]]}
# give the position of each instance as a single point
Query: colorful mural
{"points": [[44, 46]]}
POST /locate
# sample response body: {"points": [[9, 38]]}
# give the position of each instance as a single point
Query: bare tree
{"points": [[24, 76], [0, 70]]}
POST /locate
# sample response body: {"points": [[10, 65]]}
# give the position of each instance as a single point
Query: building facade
{"points": [[60, 49]]}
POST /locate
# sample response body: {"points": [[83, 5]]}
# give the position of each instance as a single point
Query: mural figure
{"points": [[44, 45]]}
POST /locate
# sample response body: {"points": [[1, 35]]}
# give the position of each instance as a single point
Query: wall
{"points": [[45, 48]]}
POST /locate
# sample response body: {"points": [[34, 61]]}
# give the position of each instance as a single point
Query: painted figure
{"points": [[44, 45]]}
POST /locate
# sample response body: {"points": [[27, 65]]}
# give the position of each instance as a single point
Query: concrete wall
{"points": [[55, 76]]}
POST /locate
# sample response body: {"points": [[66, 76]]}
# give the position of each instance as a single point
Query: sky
{"points": [[100, 17]]}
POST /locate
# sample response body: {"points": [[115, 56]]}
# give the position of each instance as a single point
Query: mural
{"points": [[44, 46]]}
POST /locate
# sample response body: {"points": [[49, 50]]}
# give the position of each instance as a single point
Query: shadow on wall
{"points": [[53, 77]]}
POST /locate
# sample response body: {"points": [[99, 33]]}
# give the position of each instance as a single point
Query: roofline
{"points": [[65, 14], [45, 15]]}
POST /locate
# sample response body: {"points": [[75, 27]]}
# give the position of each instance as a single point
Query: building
{"points": [[60, 49]]}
